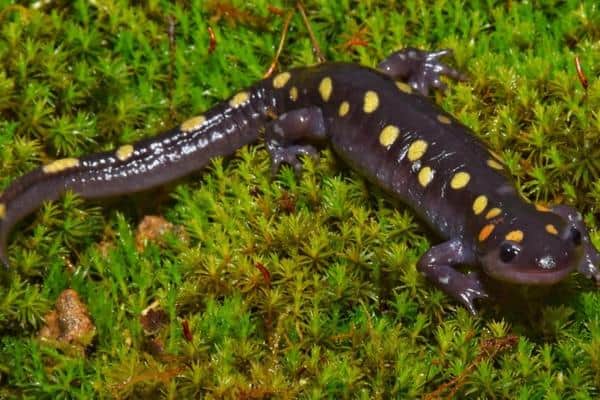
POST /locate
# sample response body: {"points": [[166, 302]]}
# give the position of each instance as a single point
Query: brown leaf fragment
{"points": [[153, 318], [69, 322], [151, 229]]}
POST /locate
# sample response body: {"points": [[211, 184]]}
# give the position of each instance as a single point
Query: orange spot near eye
{"points": [[493, 213], [485, 232], [551, 229], [542, 208], [515, 236]]}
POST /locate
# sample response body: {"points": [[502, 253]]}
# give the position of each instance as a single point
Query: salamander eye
{"points": [[508, 252], [575, 236]]}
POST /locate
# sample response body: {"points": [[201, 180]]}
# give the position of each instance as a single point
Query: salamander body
{"points": [[381, 124]]}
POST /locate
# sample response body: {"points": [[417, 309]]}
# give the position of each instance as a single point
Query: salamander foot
{"points": [[422, 70], [290, 155], [294, 134]]}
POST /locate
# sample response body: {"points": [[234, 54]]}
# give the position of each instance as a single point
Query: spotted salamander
{"points": [[380, 122]]}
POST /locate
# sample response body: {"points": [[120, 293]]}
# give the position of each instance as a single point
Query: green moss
{"points": [[343, 312]]}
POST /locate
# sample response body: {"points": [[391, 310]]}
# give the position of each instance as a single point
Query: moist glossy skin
{"points": [[383, 128]]}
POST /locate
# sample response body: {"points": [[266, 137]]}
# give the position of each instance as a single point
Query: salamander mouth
{"points": [[528, 277]]}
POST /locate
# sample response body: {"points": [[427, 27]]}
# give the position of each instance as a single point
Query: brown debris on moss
{"points": [[69, 322], [151, 229]]}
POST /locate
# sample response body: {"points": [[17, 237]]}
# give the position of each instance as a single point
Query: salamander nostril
{"points": [[508, 252], [575, 236]]}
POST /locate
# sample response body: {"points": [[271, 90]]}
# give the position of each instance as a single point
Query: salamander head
{"points": [[535, 247]]}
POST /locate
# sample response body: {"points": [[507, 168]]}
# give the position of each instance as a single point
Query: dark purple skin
{"points": [[297, 116]]}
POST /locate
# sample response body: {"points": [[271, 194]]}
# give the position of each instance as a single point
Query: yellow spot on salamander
{"points": [[281, 79], [460, 180], [2, 210], [542, 208], [494, 164], [479, 204], [294, 93], [551, 229], [425, 176], [443, 119], [193, 123], [371, 102], [60, 165], [515, 236], [404, 87], [493, 213], [124, 152], [239, 99], [325, 88], [388, 135], [416, 150], [344, 108], [485, 232]]}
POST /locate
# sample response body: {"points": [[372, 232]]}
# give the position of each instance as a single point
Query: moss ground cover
{"points": [[293, 286]]}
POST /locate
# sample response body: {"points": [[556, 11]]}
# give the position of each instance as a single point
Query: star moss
{"points": [[293, 286]]}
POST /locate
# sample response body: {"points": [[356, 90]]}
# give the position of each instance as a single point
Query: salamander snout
{"points": [[541, 253]]}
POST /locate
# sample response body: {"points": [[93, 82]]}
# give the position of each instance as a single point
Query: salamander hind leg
{"points": [[294, 134], [421, 69], [437, 266]]}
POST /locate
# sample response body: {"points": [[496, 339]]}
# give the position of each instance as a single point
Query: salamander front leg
{"points": [[294, 134], [437, 266], [421, 69], [590, 262]]}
